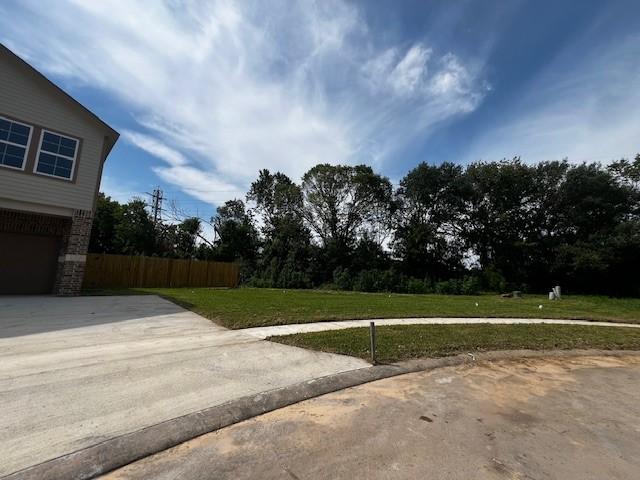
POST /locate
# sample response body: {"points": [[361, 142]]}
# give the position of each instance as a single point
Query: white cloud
{"points": [[593, 114], [452, 77], [155, 148], [408, 75], [197, 183], [200, 184], [222, 89]]}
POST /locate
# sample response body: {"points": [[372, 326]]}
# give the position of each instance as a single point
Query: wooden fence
{"points": [[121, 271]]}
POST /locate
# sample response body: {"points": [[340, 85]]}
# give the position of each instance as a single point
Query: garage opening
{"points": [[28, 263]]}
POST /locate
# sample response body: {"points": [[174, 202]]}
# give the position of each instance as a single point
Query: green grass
{"points": [[404, 342], [253, 307]]}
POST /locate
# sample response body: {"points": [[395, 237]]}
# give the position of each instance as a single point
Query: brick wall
{"points": [[73, 254], [32, 223]]}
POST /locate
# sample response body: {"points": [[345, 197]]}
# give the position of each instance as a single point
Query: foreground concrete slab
{"points": [[75, 372], [563, 417]]}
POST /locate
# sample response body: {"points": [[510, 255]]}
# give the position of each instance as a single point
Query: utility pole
{"points": [[156, 204]]}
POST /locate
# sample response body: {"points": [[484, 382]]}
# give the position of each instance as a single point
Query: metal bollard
{"points": [[372, 338]]}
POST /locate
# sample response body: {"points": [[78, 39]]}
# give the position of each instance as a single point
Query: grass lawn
{"points": [[254, 307], [396, 343]]}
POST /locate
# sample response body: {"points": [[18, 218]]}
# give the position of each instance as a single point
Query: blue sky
{"points": [[207, 93]]}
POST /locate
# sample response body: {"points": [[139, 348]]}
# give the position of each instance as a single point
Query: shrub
{"points": [[415, 285], [294, 279], [257, 282], [493, 280], [470, 285], [373, 280], [368, 281], [284, 277], [452, 286], [342, 279]]}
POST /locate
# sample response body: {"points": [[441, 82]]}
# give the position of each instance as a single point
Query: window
{"points": [[57, 155], [14, 143]]}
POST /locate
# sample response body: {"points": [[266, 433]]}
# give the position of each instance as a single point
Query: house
{"points": [[52, 150]]}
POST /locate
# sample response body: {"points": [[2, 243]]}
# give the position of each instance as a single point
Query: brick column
{"points": [[73, 254]]}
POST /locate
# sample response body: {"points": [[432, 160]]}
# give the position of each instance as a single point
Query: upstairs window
{"points": [[14, 143], [56, 155]]}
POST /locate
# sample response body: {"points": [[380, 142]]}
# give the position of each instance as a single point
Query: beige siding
{"points": [[24, 96], [23, 206]]}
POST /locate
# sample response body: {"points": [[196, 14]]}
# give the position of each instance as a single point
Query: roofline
{"points": [[112, 133]]}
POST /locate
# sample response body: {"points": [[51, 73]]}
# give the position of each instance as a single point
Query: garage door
{"points": [[27, 263]]}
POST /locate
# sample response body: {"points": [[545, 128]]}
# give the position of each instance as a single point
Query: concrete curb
{"points": [[120, 451]]}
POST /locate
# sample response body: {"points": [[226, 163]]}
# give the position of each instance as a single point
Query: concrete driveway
{"points": [[77, 371], [555, 418]]}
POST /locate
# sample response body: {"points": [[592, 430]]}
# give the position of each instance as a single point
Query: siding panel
{"points": [[24, 97]]}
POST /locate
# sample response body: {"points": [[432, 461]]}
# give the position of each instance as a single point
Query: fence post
{"points": [[372, 340]]}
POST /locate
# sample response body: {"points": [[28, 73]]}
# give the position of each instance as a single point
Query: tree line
{"points": [[446, 228]]}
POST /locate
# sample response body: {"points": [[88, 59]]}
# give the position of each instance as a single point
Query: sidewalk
{"points": [[265, 332]]}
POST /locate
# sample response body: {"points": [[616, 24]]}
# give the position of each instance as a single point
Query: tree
{"points": [[515, 217], [342, 204], [433, 203], [135, 232], [187, 233], [286, 250], [276, 197], [606, 262], [237, 238], [519, 225], [542, 234], [500, 210], [122, 229], [103, 233], [592, 201], [628, 173]]}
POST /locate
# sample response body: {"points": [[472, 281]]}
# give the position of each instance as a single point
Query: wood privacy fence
{"points": [[121, 271]]}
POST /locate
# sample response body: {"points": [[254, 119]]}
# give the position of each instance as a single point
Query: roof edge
{"points": [[112, 133]]}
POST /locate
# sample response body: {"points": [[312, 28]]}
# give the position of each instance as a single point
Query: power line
{"points": [[203, 190]]}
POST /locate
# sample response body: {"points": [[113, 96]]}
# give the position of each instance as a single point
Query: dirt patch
{"points": [[570, 418]]}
